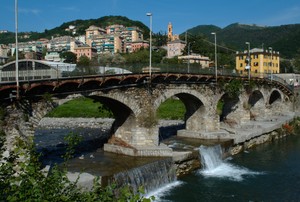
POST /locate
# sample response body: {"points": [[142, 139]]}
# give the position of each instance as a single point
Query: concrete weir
{"points": [[161, 150]]}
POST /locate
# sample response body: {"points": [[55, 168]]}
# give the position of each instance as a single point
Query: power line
{"points": [[211, 43]]}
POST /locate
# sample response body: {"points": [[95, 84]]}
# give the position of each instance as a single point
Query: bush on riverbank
{"points": [[21, 179]]}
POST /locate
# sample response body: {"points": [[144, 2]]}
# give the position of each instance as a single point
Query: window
{"points": [[241, 64]]}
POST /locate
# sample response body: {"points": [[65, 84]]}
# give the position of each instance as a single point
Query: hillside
{"points": [[284, 39], [81, 26]]}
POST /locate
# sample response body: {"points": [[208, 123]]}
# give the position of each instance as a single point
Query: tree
{"points": [[44, 52], [84, 65], [296, 61], [21, 55], [68, 57], [286, 66]]}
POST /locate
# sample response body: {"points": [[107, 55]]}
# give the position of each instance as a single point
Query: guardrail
{"points": [[142, 69]]}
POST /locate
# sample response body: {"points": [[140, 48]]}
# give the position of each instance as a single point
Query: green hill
{"points": [[81, 26], [284, 39]]}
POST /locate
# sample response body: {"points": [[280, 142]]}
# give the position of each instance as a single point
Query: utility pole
{"points": [[17, 50]]}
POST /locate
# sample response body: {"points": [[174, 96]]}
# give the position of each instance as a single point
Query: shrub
{"points": [[22, 179]]}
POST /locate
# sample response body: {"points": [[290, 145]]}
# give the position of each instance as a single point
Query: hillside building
{"points": [[175, 48], [113, 39], [196, 59], [85, 50], [261, 62]]}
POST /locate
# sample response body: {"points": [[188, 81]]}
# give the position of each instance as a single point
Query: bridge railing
{"points": [[142, 68], [273, 77]]}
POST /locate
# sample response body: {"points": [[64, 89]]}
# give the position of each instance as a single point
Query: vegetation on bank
{"points": [[172, 109], [21, 179]]}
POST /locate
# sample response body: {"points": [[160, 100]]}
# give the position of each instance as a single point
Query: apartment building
{"points": [[60, 43], [112, 43], [85, 50], [137, 45], [261, 62], [115, 38], [93, 31]]}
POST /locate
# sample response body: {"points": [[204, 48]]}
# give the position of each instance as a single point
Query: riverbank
{"points": [[239, 138]]}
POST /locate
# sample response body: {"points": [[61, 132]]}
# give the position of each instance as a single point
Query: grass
{"points": [[81, 107], [171, 109]]}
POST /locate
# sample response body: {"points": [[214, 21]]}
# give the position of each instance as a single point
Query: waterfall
{"points": [[215, 166], [211, 157], [151, 176]]}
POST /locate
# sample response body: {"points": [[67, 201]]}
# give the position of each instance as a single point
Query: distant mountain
{"points": [[81, 26], [285, 38], [204, 30]]}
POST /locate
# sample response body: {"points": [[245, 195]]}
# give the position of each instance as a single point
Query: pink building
{"points": [[137, 45], [85, 50]]}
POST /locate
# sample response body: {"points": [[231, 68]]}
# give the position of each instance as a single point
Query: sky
{"points": [[38, 15]]}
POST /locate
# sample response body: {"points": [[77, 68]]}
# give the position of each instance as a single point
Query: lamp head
{"points": [[149, 14]]}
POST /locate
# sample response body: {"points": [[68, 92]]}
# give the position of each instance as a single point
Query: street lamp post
{"points": [[189, 57], [249, 58], [17, 49], [271, 63], [150, 48], [216, 57]]}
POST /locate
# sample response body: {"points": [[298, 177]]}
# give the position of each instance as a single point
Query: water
{"points": [[270, 172], [214, 166], [149, 172], [150, 176]]}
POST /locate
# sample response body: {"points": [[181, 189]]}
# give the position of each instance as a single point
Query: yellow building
{"points": [[262, 62]]}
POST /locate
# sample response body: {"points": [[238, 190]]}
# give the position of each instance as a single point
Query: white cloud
{"points": [[29, 11]]}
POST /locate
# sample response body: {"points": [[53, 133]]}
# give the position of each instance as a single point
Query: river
{"points": [[269, 172]]}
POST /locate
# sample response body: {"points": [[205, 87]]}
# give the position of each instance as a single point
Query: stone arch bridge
{"points": [[134, 99]]}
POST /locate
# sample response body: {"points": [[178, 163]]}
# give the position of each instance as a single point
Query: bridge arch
{"points": [[256, 104], [226, 105], [198, 107], [275, 96]]}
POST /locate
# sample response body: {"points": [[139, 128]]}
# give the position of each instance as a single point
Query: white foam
{"points": [[164, 190], [214, 166], [229, 171]]}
